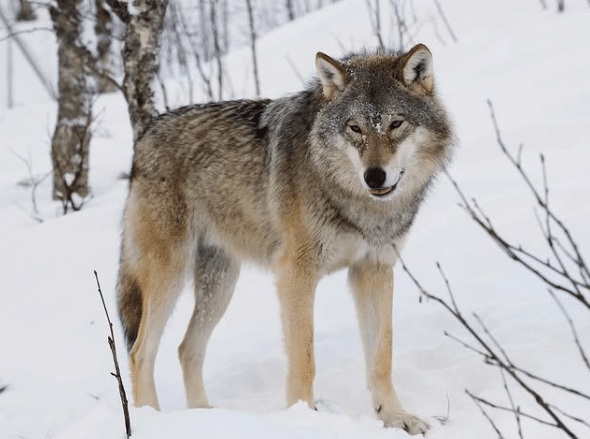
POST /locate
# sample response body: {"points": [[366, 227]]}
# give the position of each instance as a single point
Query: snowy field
{"points": [[54, 357]]}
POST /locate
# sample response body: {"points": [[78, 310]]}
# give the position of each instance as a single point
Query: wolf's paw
{"points": [[410, 423]]}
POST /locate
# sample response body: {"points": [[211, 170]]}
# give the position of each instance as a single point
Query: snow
{"points": [[54, 357]]}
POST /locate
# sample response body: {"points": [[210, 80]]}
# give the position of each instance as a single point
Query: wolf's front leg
{"points": [[296, 283], [372, 287]]}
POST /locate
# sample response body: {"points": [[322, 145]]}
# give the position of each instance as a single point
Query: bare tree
{"points": [[205, 30], [225, 21], [290, 10], [560, 5], [205, 78], [71, 138], [175, 39], [375, 17], [253, 46], [216, 47], [140, 53], [103, 28]]}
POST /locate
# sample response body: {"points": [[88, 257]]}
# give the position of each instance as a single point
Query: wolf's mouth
{"points": [[382, 192], [386, 190]]}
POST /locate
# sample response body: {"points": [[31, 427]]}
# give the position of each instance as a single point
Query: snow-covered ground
{"points": [[54, 357]]}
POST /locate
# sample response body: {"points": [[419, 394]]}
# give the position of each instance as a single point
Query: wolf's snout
{"points": [[375, 177]]}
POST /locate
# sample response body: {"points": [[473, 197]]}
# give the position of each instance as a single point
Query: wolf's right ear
{"points": [[332, 75]]}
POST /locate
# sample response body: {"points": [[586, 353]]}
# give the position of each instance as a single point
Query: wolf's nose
{"points": [[375, 177]]}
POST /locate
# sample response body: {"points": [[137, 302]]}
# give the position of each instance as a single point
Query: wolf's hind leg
{"points": [[160, 288], [372, 287], [216, 274]]}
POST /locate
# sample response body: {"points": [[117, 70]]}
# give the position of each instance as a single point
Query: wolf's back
{"points": [[213, 151]]}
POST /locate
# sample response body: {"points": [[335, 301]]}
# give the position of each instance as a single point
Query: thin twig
{"points": [[508, 409], [572, 328], [445, 21], [295, 69], [34, 183], [117, 373], [478, 402], [445, 419], [516, 410], [25, 31]]}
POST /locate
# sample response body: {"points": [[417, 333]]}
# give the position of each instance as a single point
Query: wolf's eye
{"points": [[395, 124], [355, 129]]}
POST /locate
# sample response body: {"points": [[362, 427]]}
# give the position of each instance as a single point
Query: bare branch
{"points": [[479, 403], [508, 409], [25, 31], [572, 328], [33, 182], [515, 410], [445, 21], [557, 275], [294, 67], [117, 374]]}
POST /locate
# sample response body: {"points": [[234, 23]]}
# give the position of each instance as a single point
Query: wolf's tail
{"points": [[129, 303]]}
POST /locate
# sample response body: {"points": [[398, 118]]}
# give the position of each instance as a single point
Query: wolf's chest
{"points": [[343, 248]]}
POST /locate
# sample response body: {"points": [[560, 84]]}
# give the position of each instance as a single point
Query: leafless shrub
{"points": [[33, 181], [565, 273]]}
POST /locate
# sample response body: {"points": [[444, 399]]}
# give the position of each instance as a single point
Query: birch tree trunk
{"points": [[140, 52], [71, 138]]}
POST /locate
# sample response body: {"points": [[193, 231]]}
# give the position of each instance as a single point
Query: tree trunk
{"points": [[26, 11], [204, 30], [71, 139], [290, 10], [216, 47], [140, 60], [104, 31], [253, 46]]}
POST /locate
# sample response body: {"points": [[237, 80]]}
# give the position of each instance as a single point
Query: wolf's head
{"points": [[381, 130]]}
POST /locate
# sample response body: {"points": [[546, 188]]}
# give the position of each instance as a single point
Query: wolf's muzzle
{"points": [[375, 178]]}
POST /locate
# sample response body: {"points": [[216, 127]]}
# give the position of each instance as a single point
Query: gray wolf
{"points": [[329, 178]]}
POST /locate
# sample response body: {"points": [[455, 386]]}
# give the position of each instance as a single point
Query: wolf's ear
{"points": [[417, 69], [332, 75]]}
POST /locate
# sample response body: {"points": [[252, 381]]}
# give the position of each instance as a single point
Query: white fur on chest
{"points": [[348, 249]]}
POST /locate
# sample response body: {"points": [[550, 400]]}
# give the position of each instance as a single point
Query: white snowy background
{"points": [[533, 64]]}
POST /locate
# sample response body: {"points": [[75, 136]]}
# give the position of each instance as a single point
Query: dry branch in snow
{"points": [[564, 272]]}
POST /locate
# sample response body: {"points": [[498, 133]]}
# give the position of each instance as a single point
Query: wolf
{"points": [[329, 178]]}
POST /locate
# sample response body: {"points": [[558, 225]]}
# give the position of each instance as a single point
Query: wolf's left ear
{"points": [[417, 69], [332, 75]]}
